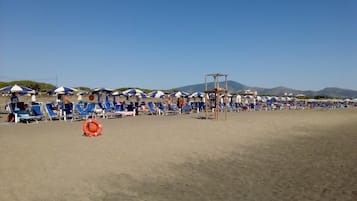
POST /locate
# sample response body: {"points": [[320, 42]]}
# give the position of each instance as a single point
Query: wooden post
{"points": [[217, 91]]}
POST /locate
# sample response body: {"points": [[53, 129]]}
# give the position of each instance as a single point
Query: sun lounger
{"points": [[22, 113], [51, 113], [119, 110], [171, 110], [80, 113], [36, 111], [152, 109]]}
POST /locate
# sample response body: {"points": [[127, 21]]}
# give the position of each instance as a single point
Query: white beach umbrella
{"points": [[62, 90], [197, 94], [157, 94], [228, 95], [102, 90], [118, 93], [179, 94], [16, 89], [259, 98], [80, 93], [135, 92]]}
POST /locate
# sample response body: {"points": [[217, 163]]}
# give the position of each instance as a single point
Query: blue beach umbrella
{"points": [[135, 92], [118, 93], [115, 94], [197, 94], [62, 90], [179, 94], [157, 94], [102, 90], [16, 89]]}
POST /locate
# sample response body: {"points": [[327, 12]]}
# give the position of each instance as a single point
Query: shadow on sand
{"points": [[322, 167]]}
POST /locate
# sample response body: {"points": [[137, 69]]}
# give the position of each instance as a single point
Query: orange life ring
{"points": [[91, 97], [92, 127]]}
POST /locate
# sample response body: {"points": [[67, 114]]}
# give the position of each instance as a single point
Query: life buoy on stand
{"points": [[92, 127], [91, 97]]}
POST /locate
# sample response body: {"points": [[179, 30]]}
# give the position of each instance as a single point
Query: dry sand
{"points": [[252, 156]]}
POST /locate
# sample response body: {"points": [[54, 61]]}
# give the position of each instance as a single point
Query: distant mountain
{"points": [[234, 87], [337, 92]]}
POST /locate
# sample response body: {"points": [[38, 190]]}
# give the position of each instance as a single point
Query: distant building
{"points": [[300, 96], [248, 92]]}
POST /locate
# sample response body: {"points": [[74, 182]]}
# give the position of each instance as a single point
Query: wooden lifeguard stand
{"points": [[217, 91]]}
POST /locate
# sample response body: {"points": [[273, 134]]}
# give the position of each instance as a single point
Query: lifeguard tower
{"points": [[213, 95]]}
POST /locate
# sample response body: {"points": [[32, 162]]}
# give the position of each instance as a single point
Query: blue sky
{"points": [[162, 44]]}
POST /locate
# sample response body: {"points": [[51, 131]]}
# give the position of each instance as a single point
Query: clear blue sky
{"points": [[161, 44]]}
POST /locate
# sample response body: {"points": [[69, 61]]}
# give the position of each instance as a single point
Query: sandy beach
{"points": [[251, 156]]}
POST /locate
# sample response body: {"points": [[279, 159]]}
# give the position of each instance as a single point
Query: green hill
{"points": [[38, 86]]}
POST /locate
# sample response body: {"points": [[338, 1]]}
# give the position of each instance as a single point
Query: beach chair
{"points": [[36, 111], [67, 111], [51, 113], [119, 111], [151, 108], [108, 106], [109, 111], [171, 110], [22, 113], [186, 109], [80, 113]]}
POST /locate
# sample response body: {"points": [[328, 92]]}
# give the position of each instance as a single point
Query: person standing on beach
{"points": [[14, 98]]}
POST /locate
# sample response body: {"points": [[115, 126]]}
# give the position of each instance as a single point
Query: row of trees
{"points": [[38, 86]]}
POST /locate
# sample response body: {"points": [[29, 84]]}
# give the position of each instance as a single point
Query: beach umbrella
{"points": [[179, 94], [16, 89], [80, 93], [102, 90], [228, 95], [135, 92], [118, 93], [157, 94], [197, 94], [62, 90], [259, 98]]}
